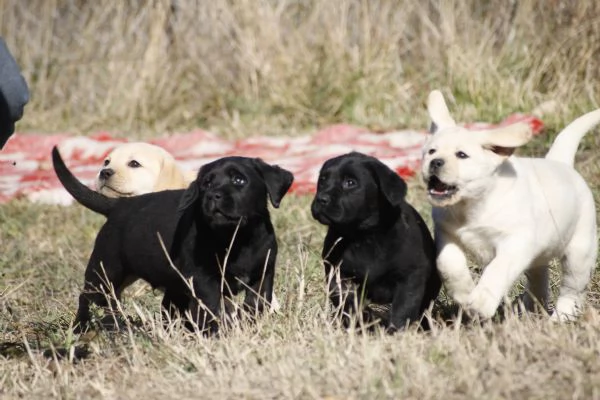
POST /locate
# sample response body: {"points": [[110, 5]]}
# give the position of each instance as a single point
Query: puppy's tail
{"points": [[83, 194], [565, 145]]}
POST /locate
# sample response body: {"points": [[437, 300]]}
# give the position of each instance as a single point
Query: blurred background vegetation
{"points": [[243, 67]]}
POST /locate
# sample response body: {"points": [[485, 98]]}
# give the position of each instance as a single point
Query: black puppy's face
{"points": [[234, 190], [351, 190]]}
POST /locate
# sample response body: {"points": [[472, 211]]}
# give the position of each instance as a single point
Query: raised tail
{"points": [[83, 194], [565, 145]]}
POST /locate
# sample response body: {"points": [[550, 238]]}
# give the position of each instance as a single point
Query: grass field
{"points": [[284, 67]]}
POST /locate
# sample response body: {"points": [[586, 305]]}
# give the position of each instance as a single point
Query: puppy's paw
{"points": [[462, 297], [482, 302], [567, 309], [460, 290]]}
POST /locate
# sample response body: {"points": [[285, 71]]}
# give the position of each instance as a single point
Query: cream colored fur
{"points": [[513, 215], [140, 168]]}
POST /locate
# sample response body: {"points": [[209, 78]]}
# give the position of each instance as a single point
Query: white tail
{"points": [[565, 145]]}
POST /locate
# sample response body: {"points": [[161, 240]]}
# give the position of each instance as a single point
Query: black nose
{"points": [[435, 165], [215, 195], [106, 173], [323, 199]]}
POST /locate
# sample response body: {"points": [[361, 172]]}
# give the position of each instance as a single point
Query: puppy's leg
{"points": [[260, 294], [578, 265], [536, 292], [453, 268], [174, 304], [512, 259], [104, 280], [406, 302], [342, 296], [204, 309]]}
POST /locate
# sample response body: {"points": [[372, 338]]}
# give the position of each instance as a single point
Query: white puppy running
{"points": [[132, 169], [513, 214]]}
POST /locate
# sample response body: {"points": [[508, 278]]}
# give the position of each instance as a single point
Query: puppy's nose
{"points": [[323, 199], [435, 165], [215, 195], [106, 173]]}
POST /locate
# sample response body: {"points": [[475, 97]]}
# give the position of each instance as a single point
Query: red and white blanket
{"points": [[26, 169]]}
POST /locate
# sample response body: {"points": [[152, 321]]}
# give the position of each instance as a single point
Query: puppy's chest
{"points": [[478, 242], [363, 262], [241, 267]]}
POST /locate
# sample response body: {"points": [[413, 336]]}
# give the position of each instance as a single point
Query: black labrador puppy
{"points": [[218, 231], [379, 242]]}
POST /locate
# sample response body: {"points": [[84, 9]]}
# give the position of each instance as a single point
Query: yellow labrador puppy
{"points": [[137, 168], [513, 214]]}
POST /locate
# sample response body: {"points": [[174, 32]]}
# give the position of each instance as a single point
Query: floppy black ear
{"points": [[185, 217], [391, 185], [189, 197], [277, 180]]}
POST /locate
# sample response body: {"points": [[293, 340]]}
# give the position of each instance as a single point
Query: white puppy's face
{"points": [[458, 164], [137, 168]]}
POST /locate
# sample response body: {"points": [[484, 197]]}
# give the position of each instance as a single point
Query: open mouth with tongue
{"points": [[439, 190]]}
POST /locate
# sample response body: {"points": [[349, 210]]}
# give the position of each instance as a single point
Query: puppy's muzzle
{"points": [[214, 199], [214, 196], [435, 165], [323, 199], [106, 173]]}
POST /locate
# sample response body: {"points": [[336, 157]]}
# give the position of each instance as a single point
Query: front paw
{"points": [[460, 291], [482, 302], [462, 297]]}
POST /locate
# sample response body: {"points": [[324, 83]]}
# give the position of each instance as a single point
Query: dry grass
{"points": [[294, 354], [246, 67]]}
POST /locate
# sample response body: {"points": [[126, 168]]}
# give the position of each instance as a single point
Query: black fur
{"points": [[385, 251], [197, 225]]}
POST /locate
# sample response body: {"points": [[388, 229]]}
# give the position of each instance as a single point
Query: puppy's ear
{"points": [[277, 180], [391, 185], [505, 140], [185, 215], [170, 176], [438, 112], [189, 197]]}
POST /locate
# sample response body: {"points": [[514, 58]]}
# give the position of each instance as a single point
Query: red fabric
{"points": [[26, 169]]}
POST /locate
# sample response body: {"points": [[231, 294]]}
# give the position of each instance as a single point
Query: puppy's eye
{"points": [[238, 180], [349, 183], [106, 162], [134, 164], [461, 155], [431, 151]]}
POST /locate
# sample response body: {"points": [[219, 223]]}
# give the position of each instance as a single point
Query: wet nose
{"points": [[435, 165], [106, 173], [323, 199]]}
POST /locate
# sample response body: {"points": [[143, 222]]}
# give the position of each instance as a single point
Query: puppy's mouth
{"points": [[220, 215], [115, 191], [440, 190]]}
